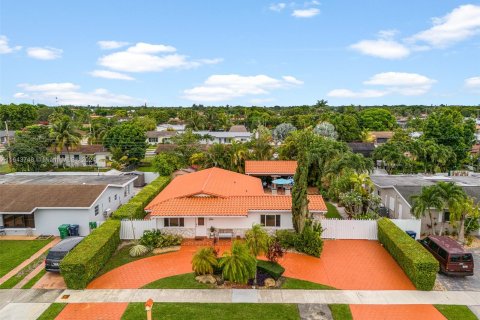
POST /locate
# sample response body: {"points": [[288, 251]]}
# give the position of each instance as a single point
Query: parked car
{"points": [[454, 260], [59, 251]]}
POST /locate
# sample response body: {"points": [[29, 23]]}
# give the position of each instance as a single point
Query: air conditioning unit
{"points": [[107, 213]]}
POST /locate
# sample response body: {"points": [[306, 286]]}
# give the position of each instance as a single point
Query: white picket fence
{"points": [[333, 228]]}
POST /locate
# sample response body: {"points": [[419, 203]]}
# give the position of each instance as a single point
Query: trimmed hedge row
{"points": [[271, 268], [419, 265], [81, 264], [134, 209]]}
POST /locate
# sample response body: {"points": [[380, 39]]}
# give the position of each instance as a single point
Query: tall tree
{"points": [[17, 116], [450, 194], [64, 135], [300, 211], [128, 142], [462, 210], [427, 200], [377, 119]]}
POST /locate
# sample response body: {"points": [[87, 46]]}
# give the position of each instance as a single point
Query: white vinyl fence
{"points": [[133, 229], [333, 228]]}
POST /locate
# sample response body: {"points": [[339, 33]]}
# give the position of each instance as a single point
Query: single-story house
{"points": [[238, 128], [38, 203], [156, 137], [171, 127], [396, 193], [192, 204], [364, 148], [380, 137], [169, 147], [94, 155], [4, 137], [270, 168], [223, 137]]}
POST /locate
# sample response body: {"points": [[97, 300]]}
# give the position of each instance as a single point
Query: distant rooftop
{"points": [[424, 180], [50, 178]]}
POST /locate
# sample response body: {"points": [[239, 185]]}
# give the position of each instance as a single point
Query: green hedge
{"points": [[134, 209], [273, 269], [81, 264], [419, 265]]}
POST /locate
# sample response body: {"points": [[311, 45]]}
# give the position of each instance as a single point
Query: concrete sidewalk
{"points": [[392, 297]]}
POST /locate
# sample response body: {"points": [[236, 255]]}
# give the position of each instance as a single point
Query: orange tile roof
{"points": [[213, 182], [230, 206], [218, 192], [271, 167]]}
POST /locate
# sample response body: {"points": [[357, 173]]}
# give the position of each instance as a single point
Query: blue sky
{"points": [[245, 52]]}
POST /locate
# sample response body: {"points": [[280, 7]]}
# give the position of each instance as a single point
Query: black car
{"points": [[58, 252]]}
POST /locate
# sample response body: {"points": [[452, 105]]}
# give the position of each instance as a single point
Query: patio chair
{"points": [[2, 231]]}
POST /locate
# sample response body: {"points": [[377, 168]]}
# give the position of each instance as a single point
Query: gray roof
{"points": [[156, 134], [63, 179], [3, 133], [224, 134]]}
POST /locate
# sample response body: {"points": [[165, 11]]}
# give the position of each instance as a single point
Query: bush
{"points": [[204, 261], [157, 239], [275, 250], [134, 209], [419, 265], [309, 241], [82, 263], [286, 238], [272, 268], [138, 250]]}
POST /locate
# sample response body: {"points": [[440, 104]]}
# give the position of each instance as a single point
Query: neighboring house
{"points": [[38, 203], [238, 128], [171, 127], [184, 171], [396, 193], [83, 136], [191, 204], [364, 148], [381, 136], [4, 137], [169, 147], [95, 155], [223, 137], [156, 137], [272, 169]]}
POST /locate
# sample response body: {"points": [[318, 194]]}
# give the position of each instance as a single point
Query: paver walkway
{"points": [[29, 276], [51, 280], [26, 262]]}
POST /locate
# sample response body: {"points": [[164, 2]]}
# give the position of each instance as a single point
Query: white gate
{"points": [[349, 229], [133, 229]]}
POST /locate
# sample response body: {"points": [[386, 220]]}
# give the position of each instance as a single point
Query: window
{"points": [[90, 160], [467, 257], [76, 157], [446, 216], [18, 221], [109, 199], [442, 253], [152, 139], [97, 210], [455, 258], [174, 222], [62, 156], [433, 246], [125, 192], [115, 197], [270, 220]]}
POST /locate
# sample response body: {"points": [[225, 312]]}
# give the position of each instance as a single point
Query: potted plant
{"points": [[212, 231]]}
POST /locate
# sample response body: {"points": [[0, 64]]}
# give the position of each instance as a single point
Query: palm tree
{"points": [[239, 264], [462, 210], [257, 241], [428, 199], [450, 194], [204, 261], [64, 135]]}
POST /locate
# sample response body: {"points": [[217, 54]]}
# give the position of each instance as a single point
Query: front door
{"points": [[200, 227]]}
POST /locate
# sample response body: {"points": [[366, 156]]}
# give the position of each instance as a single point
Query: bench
{"points": [[225, 233]]}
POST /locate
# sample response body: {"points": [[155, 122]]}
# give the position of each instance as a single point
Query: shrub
{"points": [[419, 265], [239, 264], [286, 238], [310, 240], [157, 239], [82, 263], [134, 209], [204, 261], [138, 250], [275, 250], [272, 268]]}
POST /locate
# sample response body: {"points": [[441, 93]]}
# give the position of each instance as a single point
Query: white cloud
{"points": [[67, 93], [109, 45], [305, 13], [110, 75], [387, 49], [231, 86], [145, 57], [402, 83], [277, 6], [473, 83], [46, 53], [460, 24], [5, 47]]}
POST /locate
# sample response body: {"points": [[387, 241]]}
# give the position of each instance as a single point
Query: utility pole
{"points": [[8, 145]]}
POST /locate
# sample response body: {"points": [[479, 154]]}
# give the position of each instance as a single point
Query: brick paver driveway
{"points": [[345, 264]]}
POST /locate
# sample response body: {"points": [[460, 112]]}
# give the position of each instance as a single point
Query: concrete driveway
{"points": [[464, 283]]}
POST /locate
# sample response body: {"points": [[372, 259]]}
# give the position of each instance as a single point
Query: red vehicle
{"points": [[454, 260]]}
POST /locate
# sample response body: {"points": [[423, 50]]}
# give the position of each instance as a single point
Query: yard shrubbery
{"points": [[134, 209], [309, 241], [90, 255], [419, 265], [157, 239]]}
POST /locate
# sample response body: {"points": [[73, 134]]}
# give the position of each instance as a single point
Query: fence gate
{"points": [[133, 229]]}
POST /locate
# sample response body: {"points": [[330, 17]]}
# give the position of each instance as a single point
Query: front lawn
{"points": [[119, 258], [52, 312], [207, 311], [291, 283], [332, 212], [340, 311], [452, 312], [181, 281], [14, 252]]}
